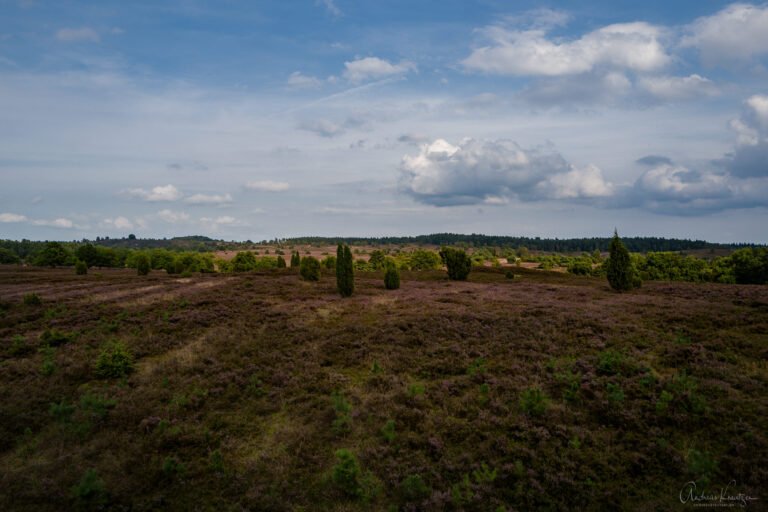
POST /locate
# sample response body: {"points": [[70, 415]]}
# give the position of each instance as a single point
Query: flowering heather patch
{"points": [[241, 386]]}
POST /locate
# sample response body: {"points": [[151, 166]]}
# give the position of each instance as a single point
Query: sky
{"points": [[255, 120]]}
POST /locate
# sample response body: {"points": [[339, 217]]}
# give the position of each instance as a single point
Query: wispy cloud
{"points": [[78, 35], [267, 186], [159, 193]]}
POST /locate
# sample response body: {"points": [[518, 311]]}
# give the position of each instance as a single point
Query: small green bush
{"points": [[533, 401], [56, 338], [343, 409], [90, 491], [172, 467], [310, 268], [115, 360], [457, 262], [48, 365], [142, 265], [388, 431], [413, 489], [662, 404], [32, 299], [281, 262], [19, 346], [61, 412], [391, 277], [346, 474], [81, 268]]}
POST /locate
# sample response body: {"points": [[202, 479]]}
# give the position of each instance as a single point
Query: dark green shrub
{"points": [[391, 277], [142, 265], [329, 262], [310, 268], [54, 254], [8, 257], [19, 346], [377, 260], [388, 431], [280, 262], [48, 365], [32, 299], [81, 268], [115, 360], [295, 259], [457, 262], [90, 492], [345, 274], [509, 274], [610, 362], [533, 401], [413, 489], [173, 467], [620, 271], [244, 261], [343, 421], [348, 477], [421, 259], [55, 337], [61, 412]]}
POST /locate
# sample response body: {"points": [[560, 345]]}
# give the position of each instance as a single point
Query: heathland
{"points": [[257, 390]]}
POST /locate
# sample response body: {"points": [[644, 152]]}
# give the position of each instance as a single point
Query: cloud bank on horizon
{"points": [[355, 118]]}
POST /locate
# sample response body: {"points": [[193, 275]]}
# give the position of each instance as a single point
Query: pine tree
{"points": [[622, 275], [345, 274], [295, 259]]}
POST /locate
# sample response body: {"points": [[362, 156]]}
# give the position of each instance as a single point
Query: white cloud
{"points": [[218, 199], [55, 223], [671, 88], [737, 33], [586, 182], [12, 217], [172, 217], [374, 68], [73, 35], [225, 219], [123, 223], [750, 156], [330, 6], [297, 80], [119, 223], [633, 46], [267, 186], [159, 193], [491, 172], [322, 127], [611, 88]]}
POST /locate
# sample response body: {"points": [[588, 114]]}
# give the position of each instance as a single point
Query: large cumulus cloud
{"points": [[494, 171]]}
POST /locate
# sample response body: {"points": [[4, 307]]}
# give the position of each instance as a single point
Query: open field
{"points": [[548, 391]]}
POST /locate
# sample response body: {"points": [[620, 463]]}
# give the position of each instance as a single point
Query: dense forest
{"points": [[634, 244]]}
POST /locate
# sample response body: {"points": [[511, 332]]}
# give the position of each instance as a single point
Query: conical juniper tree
{"points": [[622, 275], [345, 277]]}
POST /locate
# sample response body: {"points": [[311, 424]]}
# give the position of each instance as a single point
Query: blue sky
{"points": [[253, 120]]}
